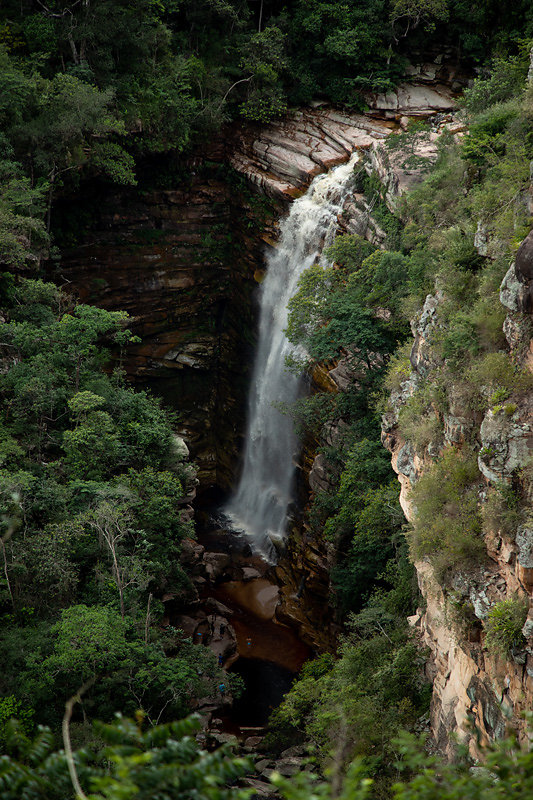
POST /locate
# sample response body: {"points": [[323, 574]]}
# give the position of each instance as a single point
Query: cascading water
{"points": [[259, 506]]}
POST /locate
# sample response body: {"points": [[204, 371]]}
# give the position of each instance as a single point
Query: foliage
{"points": [[506, 75], [355, 705], [91, 489], [501, 512], [89, 89], [134, 762], [447, 523], [375, 531], [503, 626]]}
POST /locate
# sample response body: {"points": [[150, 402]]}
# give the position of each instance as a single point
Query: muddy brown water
{"points": [[269, 653], [259, 635]]}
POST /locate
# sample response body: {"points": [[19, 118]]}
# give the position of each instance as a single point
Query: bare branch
{"points": [[242, 80], [69, 707]]}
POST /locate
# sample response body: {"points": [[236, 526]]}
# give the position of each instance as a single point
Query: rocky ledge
{"points": [[284, 155]]}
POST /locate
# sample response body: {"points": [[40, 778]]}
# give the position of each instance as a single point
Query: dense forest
{"points": [[89, 87], [94, 482]]}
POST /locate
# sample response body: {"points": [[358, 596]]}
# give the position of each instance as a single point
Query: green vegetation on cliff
{"points": [[456, 235]]}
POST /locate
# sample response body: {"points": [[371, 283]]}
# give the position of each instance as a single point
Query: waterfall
{"points": [[259, 506]]}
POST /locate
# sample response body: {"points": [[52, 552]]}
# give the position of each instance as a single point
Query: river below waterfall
{"points": [[260, 504], [234, 615]]}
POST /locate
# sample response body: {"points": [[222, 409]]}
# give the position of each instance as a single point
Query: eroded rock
{"points": [[507, 444]]}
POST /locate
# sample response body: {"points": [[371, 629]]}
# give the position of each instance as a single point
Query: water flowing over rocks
{"points": [[285, 154], [183, 253], [260, 504]]}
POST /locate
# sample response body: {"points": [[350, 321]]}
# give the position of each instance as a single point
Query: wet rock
{"points": [[249, 573], [258, 595], [221, 638], [216, 606], [216, 564]]}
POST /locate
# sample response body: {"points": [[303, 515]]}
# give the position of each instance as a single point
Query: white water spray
{"points": [[259, 506]]}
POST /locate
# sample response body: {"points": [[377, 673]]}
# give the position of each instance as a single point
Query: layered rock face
{"points": [[282, 157], [477, 692], [181, 262]]}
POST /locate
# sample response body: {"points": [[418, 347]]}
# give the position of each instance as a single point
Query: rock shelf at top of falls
{"points": [[281, 157]]}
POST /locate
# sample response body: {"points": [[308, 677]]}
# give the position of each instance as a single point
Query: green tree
{"points": [[134, 762]]}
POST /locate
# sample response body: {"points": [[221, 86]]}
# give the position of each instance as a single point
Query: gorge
{"points": [[265, 374]]}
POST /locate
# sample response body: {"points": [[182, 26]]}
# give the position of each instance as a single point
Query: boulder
{"points": [[289, 766], [215, 564], [216, 606], [191, 553], [253, 741], [411, 99], [249, 573], [262, 764], [296, 750]]}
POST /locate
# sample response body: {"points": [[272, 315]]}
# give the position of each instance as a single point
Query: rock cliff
{"points": [[181, 261], [477, 691]]}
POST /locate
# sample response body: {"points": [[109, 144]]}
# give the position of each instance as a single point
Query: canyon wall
{"points": [[478, 692], [182, 260], [183, 252]]}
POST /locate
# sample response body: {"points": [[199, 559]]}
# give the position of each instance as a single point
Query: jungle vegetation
{"points": [[92, 479]]}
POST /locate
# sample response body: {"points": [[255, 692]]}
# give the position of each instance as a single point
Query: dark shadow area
{"points": [[266, 684]]}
